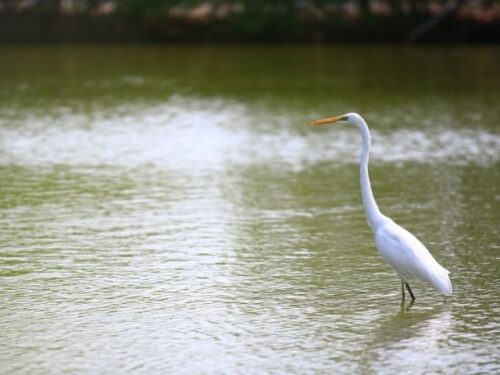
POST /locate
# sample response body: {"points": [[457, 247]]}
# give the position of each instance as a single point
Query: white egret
{"points": [[396, 245]]}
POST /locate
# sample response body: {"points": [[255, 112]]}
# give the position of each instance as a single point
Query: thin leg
{"points": [[410, 304], [409, 291], [403, 290]]}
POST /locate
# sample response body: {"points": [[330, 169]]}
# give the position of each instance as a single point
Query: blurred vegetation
{"points": [[259, 20]]}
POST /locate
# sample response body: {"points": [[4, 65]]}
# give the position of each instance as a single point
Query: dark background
{"points": [[249, 21]]}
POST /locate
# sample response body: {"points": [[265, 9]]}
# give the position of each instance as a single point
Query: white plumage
{"points": [[409, 256], [401, 249]]}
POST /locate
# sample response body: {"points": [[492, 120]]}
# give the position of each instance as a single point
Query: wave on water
{"points": [[192, 134]]}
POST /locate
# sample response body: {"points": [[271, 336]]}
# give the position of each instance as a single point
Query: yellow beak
{"points": [[328, 120]]}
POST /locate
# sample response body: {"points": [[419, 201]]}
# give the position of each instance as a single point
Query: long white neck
{"points": [[373, 214]]}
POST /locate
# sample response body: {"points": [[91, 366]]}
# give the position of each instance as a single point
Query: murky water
{"points": [[169, 210]]}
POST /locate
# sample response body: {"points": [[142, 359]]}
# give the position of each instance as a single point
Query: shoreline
{"points": [[31, 28]]}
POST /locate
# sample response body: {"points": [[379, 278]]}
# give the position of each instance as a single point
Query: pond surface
{"points": [[169, 210]]}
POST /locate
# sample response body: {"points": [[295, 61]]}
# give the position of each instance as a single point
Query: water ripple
{"points": [[188, 133]]}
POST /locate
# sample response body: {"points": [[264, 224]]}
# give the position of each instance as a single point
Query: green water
{"points": [[169, 210]]}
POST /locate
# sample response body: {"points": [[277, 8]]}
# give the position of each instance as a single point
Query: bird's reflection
{"points": [[409, 335]]}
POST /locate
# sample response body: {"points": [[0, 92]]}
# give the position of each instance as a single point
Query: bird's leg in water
{"points": [[403, 290], [410, 304], [409, 291]]}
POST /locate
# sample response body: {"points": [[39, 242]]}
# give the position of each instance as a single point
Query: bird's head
{"points": [[352, 118]]}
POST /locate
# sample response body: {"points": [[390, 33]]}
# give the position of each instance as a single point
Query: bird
{"points": [[401, 249]]}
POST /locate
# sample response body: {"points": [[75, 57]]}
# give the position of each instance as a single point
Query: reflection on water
{"points": [[213, 231], [405, 339], [185, 134]]}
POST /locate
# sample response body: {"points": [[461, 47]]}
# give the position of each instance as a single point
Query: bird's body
{"points": [[409, 256], [401, 249]]}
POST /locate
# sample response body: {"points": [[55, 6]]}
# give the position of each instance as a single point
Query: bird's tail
{"points": [[441, 281]]}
